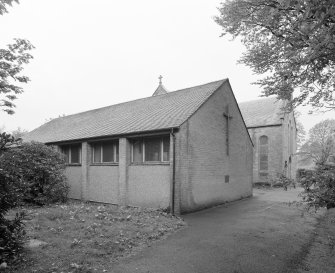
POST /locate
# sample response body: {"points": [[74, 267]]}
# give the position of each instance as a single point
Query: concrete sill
{"points": [[150, 163], [104, 164]]}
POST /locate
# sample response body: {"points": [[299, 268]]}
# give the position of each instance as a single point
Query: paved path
{"points": [[254, 235]]}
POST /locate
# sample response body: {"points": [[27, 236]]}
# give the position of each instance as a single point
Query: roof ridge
{"points": [[125, 102], [261, 98]]}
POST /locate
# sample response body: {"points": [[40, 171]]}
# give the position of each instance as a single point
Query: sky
{"points": [[93, 54]]}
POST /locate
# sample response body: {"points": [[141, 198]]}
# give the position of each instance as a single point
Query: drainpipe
{"points": [[173, 171]]}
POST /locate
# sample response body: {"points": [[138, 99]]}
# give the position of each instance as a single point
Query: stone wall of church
{"points": [[275, 152], [206, 174], [282, 146]]}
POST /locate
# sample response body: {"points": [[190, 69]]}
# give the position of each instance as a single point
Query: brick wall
{"points": [[202, 163]]}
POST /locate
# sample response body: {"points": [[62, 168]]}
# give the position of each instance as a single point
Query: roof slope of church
{"points": [[262, 112], [148, 114]]}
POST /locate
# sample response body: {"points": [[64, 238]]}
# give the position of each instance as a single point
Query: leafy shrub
{"points": [[40, 170], [319, 187], [283, 181], [11, 230], [12, 235]]}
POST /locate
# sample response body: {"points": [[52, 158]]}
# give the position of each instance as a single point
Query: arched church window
{"points": [[263, 154]]}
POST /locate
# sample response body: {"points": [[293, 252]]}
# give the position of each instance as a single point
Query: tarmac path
{"points": [[254, 235]]}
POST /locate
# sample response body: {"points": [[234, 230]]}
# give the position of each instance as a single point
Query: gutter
{"points": [[262, 126]]}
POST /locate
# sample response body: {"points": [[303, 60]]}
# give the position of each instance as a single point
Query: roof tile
{"points": [[262, 112]]}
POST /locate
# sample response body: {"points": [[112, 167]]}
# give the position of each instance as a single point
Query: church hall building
{"points": [[273, 132], [181, 151]]}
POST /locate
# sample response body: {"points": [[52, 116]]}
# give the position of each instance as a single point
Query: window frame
{"points": [[142, 143], [68, 147], [115, 144]]}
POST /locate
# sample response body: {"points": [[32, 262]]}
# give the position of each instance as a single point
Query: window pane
{"points": [[107, 152], [263, 158], [117, 152], [66, 152], [137, 151], [166, 149], [263, 165], [75, 154], [153, 149], [263, 149], [97, 153]]}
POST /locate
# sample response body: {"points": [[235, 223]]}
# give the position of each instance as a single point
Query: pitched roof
{"points": [[262, 112], [148, 114]]}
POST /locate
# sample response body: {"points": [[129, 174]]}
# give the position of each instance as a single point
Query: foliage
{"points": [[12, 235], [4, 4], [301, 133], [319, 187], [283, 181], [6, 140], [19, 133], [12, 61], [41, 170], [11, 230], [321, 142], [292, 42]]}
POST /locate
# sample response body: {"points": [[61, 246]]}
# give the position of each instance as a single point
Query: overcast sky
{"points": [[91, 54]]}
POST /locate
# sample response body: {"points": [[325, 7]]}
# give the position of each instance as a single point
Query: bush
{"points": [[11, 230], [283, 181], [40, 170], [319, 187], [12, 235]]}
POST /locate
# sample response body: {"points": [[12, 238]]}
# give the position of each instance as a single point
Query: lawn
{"points": [[89, 237]]}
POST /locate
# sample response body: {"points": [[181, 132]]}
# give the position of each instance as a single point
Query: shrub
{"points": [[40, 170], [283, 181], [319, 187], [12, 235], [11, 230]]}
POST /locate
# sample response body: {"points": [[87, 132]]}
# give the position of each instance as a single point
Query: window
{"points": [[263, 156], [105, 152], [154, 149], [72, 153]]}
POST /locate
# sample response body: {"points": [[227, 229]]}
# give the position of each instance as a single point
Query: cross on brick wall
{"points": [[227, 117]]}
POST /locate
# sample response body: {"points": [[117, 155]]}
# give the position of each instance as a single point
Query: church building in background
{"points": [[273, 132]]}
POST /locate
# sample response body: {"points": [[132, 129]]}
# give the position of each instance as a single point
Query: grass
{"points": [[88, 237]]}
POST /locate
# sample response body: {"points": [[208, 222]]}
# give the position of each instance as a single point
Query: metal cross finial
{"points": [[160, 79]]}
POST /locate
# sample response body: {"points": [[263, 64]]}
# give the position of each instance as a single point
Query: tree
{"points": [[292, 42], [321, 142], [4, 4], [301, 134], [12, 60], [19, 132]]}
